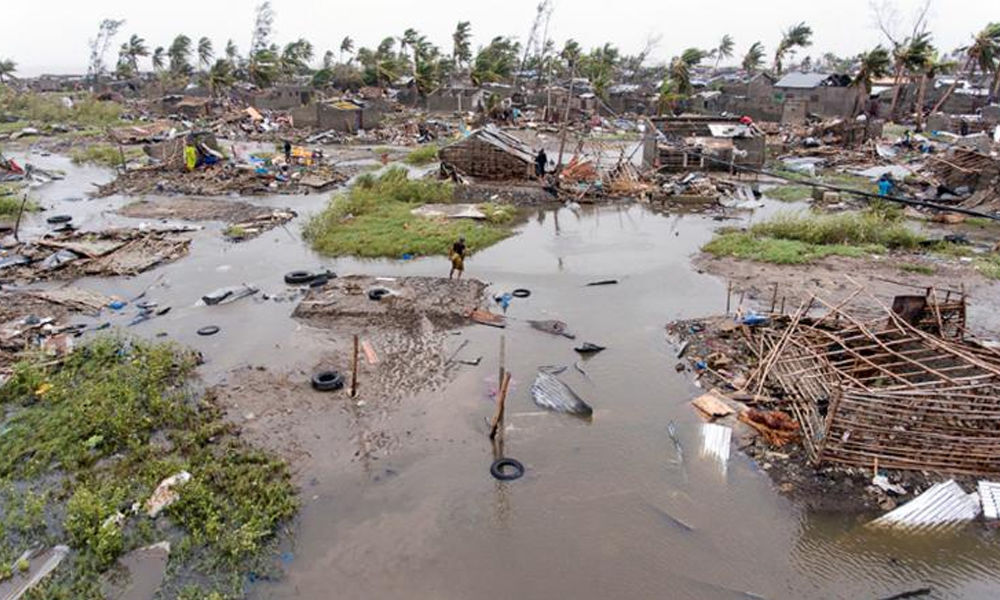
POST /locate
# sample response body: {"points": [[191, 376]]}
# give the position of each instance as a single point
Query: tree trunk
{"points": [[920, 102], [996, 85], [858, 101], [897, 84], [951, 88]]}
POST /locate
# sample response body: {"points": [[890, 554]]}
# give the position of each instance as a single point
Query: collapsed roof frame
{"points": [[899, 391]]}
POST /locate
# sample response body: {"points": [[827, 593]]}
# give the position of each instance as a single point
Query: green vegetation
{"points": [[87, 440], [423, 155], [917, 268], [10, 202], [235, 232], [793, 238], [789, 192], [988, 264], [373, 219], [39, 108], [103, 154]]}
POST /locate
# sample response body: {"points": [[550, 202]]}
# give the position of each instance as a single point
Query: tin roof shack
{"points": [[630, 98], [343, 115], [704, 143], [823, 94], [452, 99], [491, 154], [170, 152]]}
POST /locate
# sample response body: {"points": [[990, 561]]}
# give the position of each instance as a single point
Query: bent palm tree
{"points": [[7, 69], [871, 65], [754, 58], [205, 52], [724, 50], [797, 36], [907, 57], [982, 53], [933, 67]]}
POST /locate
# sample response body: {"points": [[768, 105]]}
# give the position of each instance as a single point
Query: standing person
{"points": [[288, 152], [457, 256], [541, 160]]}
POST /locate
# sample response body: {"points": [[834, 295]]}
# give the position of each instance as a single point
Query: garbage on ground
{"points": [[552, 326], [230, 294], [139, 575], [589, 348], [164, 495], [944, 505], [715, 440], [777, 427], [712, 405], [549, 392]]}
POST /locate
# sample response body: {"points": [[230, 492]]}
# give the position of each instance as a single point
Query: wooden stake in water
{"points": [[729, 295], [354, 369], [501, 402], [503, 359], [17, 224]]}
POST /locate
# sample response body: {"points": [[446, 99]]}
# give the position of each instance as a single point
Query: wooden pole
{"points": [[774, 298], [354, 369], [729, 294], [503, 360], [17, 224], [501, 402]]}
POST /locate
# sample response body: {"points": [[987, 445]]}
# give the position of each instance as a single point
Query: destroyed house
{"points": [[343, 115], [703, 143], [902, 390], [283, 97], [489, 153], [822, 94]]}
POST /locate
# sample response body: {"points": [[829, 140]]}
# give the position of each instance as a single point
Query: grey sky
{"points": [[51, 36]]}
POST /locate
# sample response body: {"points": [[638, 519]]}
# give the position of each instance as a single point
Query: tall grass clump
{"points": [[373, 218]]}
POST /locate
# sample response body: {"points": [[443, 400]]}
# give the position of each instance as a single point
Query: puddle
{"points": [[606, 507]]}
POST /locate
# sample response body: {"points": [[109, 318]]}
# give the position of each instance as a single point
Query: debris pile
{"points": [[74, 254], [224, 179]]}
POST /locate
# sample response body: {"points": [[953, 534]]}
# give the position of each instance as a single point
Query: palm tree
{"points": [[724, 50], [7, 69], [159, 58], [872, 65], [676, 85], [232, 52], [797, 36], [220, 76], [461, 49], [932, 67], [754, 58], [346, 46], [571, 54], [907, 57], [982, 54], [135, 48], [296, 56], [205, 52], [180, 54]]}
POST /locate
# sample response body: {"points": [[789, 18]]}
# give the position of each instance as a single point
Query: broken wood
{"points": [[370, 355], [501, 401], [354, 369]]}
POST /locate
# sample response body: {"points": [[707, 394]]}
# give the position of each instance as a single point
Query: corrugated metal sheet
{"points": [[989, 495], [715, 442], [802, 80], [943, 505]]}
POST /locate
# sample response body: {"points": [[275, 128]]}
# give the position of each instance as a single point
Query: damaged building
{"points": [[703, 143], [490, 154]]}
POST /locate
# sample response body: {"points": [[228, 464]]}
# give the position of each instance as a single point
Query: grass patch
{"points": [[796, 238], [373, 219], [423, 155], [86, 440], [43, 108], [104, 155], [917, 268], [783, 252], [10, 201], [789, 193]]}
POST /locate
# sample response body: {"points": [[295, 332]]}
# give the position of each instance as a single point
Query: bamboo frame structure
{"points": [[905, 391]]}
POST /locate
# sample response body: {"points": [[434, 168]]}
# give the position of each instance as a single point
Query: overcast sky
{"points": [[51, 35]]}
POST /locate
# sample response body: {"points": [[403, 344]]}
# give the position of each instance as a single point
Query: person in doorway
{"points": [[457, 257], [288, 152], [541, 161]]}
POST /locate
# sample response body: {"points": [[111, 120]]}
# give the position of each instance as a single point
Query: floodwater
{"points": [[608, 507]]}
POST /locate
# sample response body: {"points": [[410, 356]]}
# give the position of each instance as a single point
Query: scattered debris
{"points": [[715, 441], [140, 573], [945, 505], [230, 294], [40, 564], [548, 392], [711, 405], [553, 327], [164, 495], [589, 348]]}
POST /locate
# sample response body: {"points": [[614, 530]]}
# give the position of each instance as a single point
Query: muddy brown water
{"points": [[607, 507]]}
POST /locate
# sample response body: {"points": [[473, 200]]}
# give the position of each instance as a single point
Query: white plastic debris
{"points": [[882, 482], [164, 495], [39, 565], [989, 495], [942, 506], [715, 443]]}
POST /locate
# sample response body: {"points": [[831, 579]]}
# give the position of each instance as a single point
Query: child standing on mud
{"points": [[457, 256]]}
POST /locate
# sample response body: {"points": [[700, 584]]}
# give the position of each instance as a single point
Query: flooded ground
{"points": [[607, 508]]}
